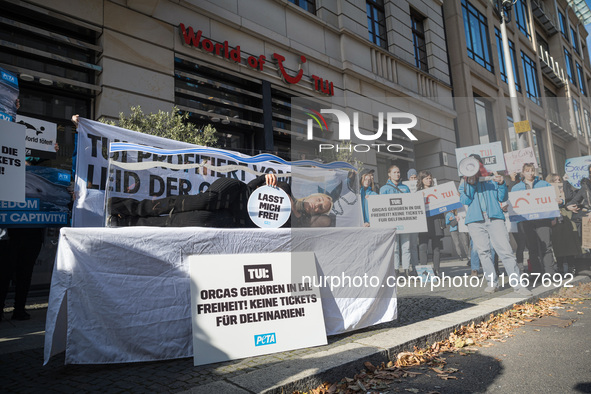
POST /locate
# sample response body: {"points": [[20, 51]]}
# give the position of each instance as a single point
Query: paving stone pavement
{"points": [[21, 350]]}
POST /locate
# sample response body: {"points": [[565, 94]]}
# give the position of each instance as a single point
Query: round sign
{"points": [[469, 166], [269, 207]]}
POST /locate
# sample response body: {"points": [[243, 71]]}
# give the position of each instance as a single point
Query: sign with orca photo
{"points": [[403, 211], [533, 204], [258, 304], [41, 137]]}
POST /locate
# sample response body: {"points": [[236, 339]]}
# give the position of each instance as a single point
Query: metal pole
{"points": [[521, 141]]}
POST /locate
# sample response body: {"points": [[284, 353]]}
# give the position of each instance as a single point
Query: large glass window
{"points": [[502, 66], [563, 25], [521, 17], [308, 5], [575, 40], [418, 38], [570, 70], [476, 30], [587, 123], [376, 23], [581, 75], [484, 120], [577, 112], [560, 156], [532, 87]]}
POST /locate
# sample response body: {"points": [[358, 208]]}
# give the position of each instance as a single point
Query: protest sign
{"points": [[515, 160], [533, 204], [41, 137], [8, 95], [491, 155], [412, 185], [586, 232], [425, 272], [12, 161], [441, 198], [46, 200], [257, 305], [577, 168], [403, 211], [269, 207]]}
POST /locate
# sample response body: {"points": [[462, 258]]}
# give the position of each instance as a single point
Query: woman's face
{"points": [[428, 181], [317, 205], [367, 178]]}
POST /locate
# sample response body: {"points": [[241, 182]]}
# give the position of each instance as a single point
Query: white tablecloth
{"points": [[123, 294]]}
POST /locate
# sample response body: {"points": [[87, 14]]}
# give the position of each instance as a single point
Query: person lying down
{"points": [[224, 204]]}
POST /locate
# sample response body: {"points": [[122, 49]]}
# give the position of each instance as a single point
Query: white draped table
{"points": [[123, 294]]}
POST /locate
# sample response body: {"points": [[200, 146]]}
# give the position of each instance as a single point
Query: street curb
{"points": [[347, 360]]}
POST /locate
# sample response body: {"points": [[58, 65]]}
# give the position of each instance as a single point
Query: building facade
{"points": [[547, 40], [237, 65]]}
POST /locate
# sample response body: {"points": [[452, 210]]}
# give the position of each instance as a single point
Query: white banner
{"points": [[533, 204], [257, 305], [442, 198], [491, 155], [577, 168], [403, 211], [12, 162], [41, 137], [516, 159], [92, 161]]}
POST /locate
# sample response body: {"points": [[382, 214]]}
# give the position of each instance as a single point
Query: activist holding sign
{"points": [[538, 233], [435, 226], [366, 181], [580, 204], [395, 186], [223, 204], [486, 225]]}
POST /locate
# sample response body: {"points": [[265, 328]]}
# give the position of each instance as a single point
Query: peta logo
{"points": [[258, 273], [344, 130], [265, 339]]}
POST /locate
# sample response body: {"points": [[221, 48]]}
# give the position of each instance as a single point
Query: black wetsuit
{"points": [[223, 204]]}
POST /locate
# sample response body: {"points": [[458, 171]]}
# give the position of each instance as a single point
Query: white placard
{"points": [[257, 304], [533, 204], [12, 162], [491, 155], [515, 160], [461, 214], [412, 185], [41, 137], [403, 211], [441, 198], [577, 168], [269, 207]]}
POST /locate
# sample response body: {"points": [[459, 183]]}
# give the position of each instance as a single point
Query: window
{"points": [[308, 5], [484, 120], [560, 155], [376, 23], [581, 75], [476, 30], [503, 70], [577, 116], [418, 39], [570, 71], [521, 17], [563, 25], [532, 87], [587, 123], [575, 42]]}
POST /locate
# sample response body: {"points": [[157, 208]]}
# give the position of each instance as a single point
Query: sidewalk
{"points": [[423, 316]]}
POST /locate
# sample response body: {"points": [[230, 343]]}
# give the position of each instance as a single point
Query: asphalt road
{"points": [[537, 359]]}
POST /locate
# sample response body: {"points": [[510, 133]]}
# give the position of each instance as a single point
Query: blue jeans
{"points": [[493, 233], [475, 260], [402, 241]]}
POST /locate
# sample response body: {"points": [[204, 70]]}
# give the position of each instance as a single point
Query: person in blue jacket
{"points": [[394, 186], [538, 233], [486, 225], [366, 190]]}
